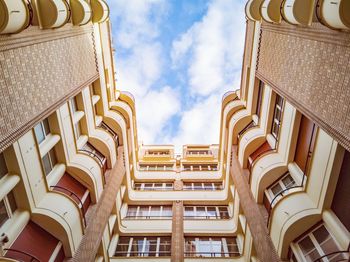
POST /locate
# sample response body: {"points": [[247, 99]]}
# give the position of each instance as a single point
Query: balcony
{"points": [[252, 10], [81, 12], [334, 14], [298, 12], [35, 244], [100, 11], [52, 13], [270, 11], [14, 16]]}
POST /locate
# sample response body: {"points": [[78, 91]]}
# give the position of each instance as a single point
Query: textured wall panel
{"points": [[311, 68], [177, 236], [39, 70]]}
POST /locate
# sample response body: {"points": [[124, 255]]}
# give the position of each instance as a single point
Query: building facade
{"points": [[75, 184]]}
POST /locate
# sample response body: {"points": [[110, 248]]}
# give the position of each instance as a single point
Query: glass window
{"points": [[49, 161], [42, 130], [285, 182], [4, 216], [200, 212], [223, 211], [155, 211], [211, 212], [211, 247], [143, 246], [189, 211], [3, 167], [277, 117], [7, 207], [132, 211], [144, 212], [73, 105], [317, 243], [167, 211]]}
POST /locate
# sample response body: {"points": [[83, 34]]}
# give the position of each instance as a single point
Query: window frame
{"points": [[45, 130], [8, 208], [277, 116], [52, 166]]}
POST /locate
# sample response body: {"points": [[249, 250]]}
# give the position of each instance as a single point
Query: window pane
{"points": [[200, 213], [3, 213], [189, 212], [165, 246], [155, 211], [211, 212], [123, 246], [3, 167], [53, 157], [12, 201], [217, 247], [150, 246], [232, 246], [204, 247], [46, 126], [276, 189], [288, 181], [308, 248], [167, 211], [39, 133], [137, 186], [131, 211], [224, 212], [46, 164], [136, 248], [143, 213], [77, 130]]}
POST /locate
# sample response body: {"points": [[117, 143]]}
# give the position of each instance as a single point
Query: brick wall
{"points": [[310, 66], [39, 70]]}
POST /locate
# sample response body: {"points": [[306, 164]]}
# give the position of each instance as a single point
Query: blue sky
{"points": [[178, 57]]}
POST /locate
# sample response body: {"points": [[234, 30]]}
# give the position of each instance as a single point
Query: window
{"points": [[7, 208], [49, 161], [143, 247], [92, 151], [259, 99], [305, 143], [42, 130], [3, 167], [74, 105], [77, 130], [317, 243], [206, 212], [154, 186], [74, 109], [202, 186], [277, 117], [149, 212], [211, 247]]}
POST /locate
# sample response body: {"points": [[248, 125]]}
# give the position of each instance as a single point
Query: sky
{"points": [[178, 58]]}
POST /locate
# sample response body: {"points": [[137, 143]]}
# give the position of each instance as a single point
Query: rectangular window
{"points": [[42, 130], [277, 117], [279, 187], [49, 161], [305, 143], [317, 243], [7, 208], [143, 247], [3, 167], [92, 151], [206, 212], [73, 105], [149, 212], [211, 247], [259, 98]]}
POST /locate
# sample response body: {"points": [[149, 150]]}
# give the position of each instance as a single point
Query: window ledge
{"points": [[82, 140], [7, 183], [95, 99], [296, 173], [50, 141], [271, 140], [77, 116], [55, 175], [98, 120], [255, 118]]}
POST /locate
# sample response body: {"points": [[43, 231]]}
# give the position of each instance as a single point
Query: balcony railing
{"points": [[344, 253], [147, 217], [211, 254], [72, 194], [30, 257], [142, 254]]}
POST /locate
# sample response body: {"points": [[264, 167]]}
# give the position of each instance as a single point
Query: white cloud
{"points": [[215, 45], [156, 108]]}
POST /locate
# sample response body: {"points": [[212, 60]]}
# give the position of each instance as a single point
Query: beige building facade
{"points": [[75, 184]]}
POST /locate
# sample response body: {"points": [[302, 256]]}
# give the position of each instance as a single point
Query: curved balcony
{"points": [[14, 16], [52, 13], [252, 10], [298, 12], [270, 11], [81, 12], [334, 14], [100, 11]]}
